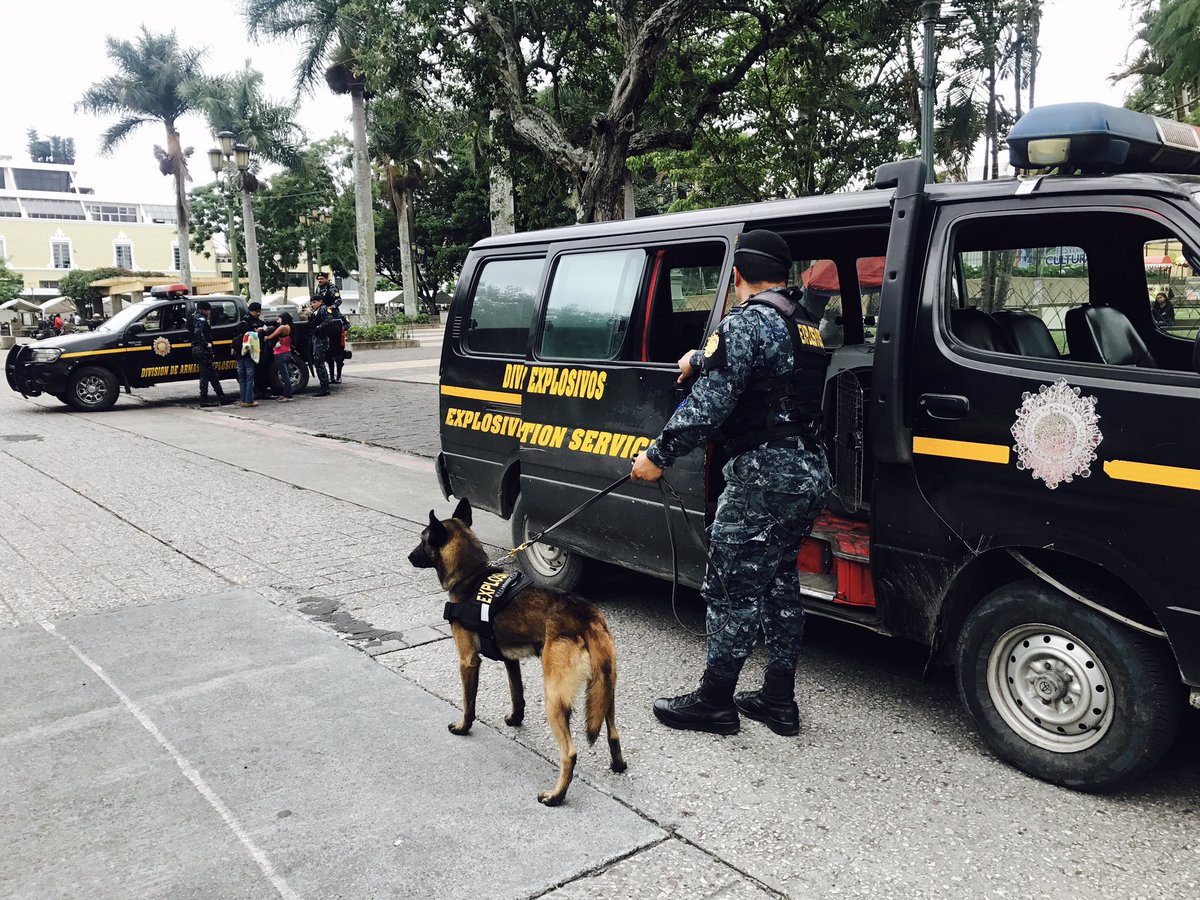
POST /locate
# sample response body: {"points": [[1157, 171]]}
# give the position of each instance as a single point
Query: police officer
{"points": [[202, 353], [761, 377], [337, 340], [318, 328]]}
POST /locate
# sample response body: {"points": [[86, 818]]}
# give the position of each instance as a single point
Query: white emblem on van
{"points": [[1057, 432], [162, 346]]}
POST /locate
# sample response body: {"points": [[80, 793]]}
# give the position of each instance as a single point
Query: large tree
{"points": [[332, 33], [235, 103], [150, 86], [1166, 64]]}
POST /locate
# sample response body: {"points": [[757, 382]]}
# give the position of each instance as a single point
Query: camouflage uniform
{"points": [[771, 496], [320, 344], [202, 353]]}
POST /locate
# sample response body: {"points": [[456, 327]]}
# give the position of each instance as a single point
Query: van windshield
{"points": [[126, 317]]}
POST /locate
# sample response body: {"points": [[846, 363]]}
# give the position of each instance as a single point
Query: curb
{"points": [[401, 344]]}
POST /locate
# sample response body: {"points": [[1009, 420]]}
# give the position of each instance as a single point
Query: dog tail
{"points": [[602, 682]]}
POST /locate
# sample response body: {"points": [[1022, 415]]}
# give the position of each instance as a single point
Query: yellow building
{"points": [[49, 225]]}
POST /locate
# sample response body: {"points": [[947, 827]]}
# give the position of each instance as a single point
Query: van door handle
{"points": [[945, 406]]}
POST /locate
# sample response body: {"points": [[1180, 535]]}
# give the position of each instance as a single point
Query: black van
{"points": [[1014, 435]]}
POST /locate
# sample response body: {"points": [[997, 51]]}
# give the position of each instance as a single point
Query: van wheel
{"points": [[550, 566], [1063, 693], [299, 375], [92, 389]]}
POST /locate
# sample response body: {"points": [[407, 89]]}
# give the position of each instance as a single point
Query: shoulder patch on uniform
{"points": [[712, 345]]}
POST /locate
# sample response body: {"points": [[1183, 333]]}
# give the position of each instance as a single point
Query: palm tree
{"points": [[235, 103], [331, 37], [152, 71], [406, 135]]}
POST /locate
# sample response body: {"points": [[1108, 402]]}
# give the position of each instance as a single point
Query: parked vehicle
{"points": [[1016, 480], [144, 344]]}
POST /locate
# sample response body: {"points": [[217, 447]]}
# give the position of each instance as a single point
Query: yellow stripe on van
{"points": [[451, 390], [101, 352], [988, 453], [1148, 473]]}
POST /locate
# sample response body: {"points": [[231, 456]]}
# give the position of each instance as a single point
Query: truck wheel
{"points": [[1064, 693], [299, 375], [550, 566], [92, 389]]}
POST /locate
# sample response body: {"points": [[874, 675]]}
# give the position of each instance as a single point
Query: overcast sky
{"points": [[55, 52]]}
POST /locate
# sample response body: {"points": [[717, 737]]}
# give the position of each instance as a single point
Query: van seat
{"points": [[1028, 333], [1101, 334], [976, 328]]}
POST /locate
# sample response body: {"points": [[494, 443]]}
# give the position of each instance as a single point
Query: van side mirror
{"points": [[135, 329]]}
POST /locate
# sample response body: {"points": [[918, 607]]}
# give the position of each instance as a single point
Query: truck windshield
{"points": [[126, 317]]}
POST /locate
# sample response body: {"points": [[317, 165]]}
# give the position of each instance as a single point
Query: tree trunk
{"points": [[500, 197], [364, 211], [408, 268], [1035, 26], [182, 225], [1020, 54], [253, 275]]}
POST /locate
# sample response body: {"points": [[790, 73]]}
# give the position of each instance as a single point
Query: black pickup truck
{"points": [[143, 344]]}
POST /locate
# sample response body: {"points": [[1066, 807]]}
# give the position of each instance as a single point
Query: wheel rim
{"points": [[546, 560], [90, 389], [1050, 688], [294, 373]]}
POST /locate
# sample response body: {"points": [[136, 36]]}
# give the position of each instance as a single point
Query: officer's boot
{"points": [[709, 708], [774, 705]]}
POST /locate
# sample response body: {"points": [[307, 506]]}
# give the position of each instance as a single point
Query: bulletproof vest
{"points": [[482, 604], [784, 405]]}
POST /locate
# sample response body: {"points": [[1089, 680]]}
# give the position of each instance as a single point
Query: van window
{"points": [[683, 287], [223, 312], [591, 298], [165, 318], [500, 311], [1172, 288], [1076, 286]]}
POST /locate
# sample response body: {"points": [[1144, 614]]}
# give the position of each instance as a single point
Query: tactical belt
{"points": [[479, 610]]}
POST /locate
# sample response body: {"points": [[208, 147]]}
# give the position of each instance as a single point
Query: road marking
{"points": [[189, 771]]}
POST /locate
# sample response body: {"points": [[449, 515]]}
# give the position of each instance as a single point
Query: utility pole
{"points": [[930, 11]]}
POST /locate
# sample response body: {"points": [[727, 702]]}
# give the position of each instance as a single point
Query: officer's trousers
{"points": [[756, 536], [320, 357], [207, 375]]}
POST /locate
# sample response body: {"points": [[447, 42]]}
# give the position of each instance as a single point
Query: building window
{"points": [[48, 285], [41, 180], [10, 208], [60, 252], [108, 212], [123, 256], [38, 208], [159, 213], [175, 260]]}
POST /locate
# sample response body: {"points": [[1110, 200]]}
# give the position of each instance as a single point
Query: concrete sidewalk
{"points": [[220, 747]]}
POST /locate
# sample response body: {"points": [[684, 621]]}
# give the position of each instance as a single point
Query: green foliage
{"points": [[1166, 64], [382, 332], [236, 103], [404, 320], [11, 284], [51, 149]]}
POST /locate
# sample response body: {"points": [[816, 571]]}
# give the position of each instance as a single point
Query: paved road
{"points": [[221, 678]]}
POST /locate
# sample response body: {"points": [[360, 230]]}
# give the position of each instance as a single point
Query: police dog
{"points": [[567, 632]]}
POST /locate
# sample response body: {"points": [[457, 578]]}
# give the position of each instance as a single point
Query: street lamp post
{"points": [[218, 158], [241, 159], [306, 239]]}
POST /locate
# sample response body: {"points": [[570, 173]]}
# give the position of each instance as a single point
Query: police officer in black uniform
{"points": [[337, 340], [762, 376], [319, 328], [202, 353]]}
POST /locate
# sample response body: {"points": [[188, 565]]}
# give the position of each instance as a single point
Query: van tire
{"points": [[1064, 693], [299, 377], [92, 389], [547, 565]]}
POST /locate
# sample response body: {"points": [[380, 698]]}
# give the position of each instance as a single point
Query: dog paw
{"points": [[618, 766], [459, 728], [514, 720], [547, 798]]}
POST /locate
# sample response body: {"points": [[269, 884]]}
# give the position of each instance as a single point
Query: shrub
{"points": [[384, 331]]}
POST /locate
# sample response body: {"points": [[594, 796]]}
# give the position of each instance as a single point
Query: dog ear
{"points": [[437, 531], [462, 512]]}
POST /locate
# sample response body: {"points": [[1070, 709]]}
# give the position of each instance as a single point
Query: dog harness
{"points": [[493, 592]]}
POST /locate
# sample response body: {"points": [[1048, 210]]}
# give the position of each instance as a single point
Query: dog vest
{"points": [[476, 613]]}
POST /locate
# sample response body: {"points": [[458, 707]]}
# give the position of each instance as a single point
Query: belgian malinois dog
{"points": [[567, 632]]}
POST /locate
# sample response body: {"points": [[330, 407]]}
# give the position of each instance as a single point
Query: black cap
{"points": [[763, 243], [203, 304], [254, 306]]}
